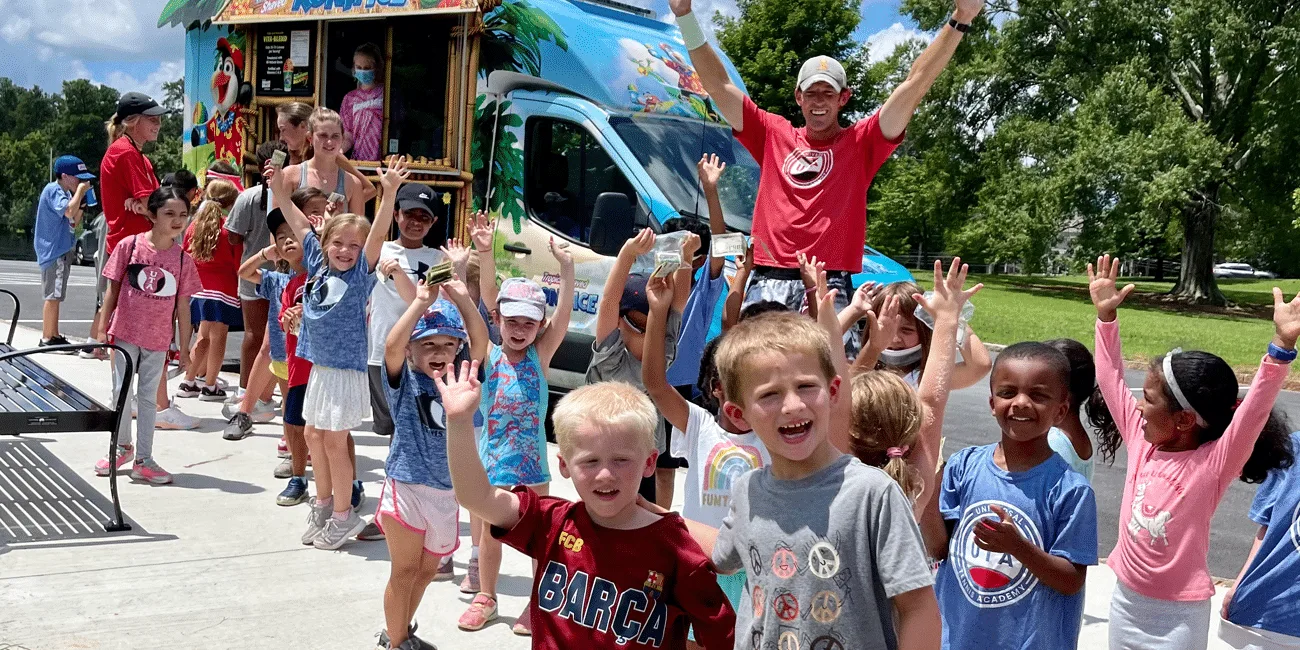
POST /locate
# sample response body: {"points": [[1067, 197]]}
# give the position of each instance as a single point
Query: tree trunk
{"points": [[1196, 283]]}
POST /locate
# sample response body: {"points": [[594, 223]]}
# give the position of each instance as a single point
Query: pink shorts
{"points": [[422, 509]]}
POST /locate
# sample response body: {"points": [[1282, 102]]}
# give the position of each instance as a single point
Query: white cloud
{"points": [[883, 43], [46, 42], [15, 29], [151, 85]]}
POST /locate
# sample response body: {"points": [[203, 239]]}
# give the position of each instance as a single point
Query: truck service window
{"points": [[418, 87], [566, 170]]}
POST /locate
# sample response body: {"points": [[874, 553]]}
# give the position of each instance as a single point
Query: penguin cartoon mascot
{"points": [[224, 128]]}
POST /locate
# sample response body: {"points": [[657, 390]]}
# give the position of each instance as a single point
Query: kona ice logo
{"points": [[987, 579], [1295, 528], [308, 6]]}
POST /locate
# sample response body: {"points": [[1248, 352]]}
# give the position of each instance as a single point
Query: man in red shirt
{"points": [[812, 194]]}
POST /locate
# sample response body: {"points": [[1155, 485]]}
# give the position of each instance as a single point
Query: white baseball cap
{"points": [[822, 68]]}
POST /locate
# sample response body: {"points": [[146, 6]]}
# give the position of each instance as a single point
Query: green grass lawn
{"points": [[1024, 308]]}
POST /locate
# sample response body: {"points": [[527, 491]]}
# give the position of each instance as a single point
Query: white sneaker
{"points": [[233, 396], [172, 418], [264, 412]]}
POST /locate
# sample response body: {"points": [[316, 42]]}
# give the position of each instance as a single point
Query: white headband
{"points": [[1172, 383]]}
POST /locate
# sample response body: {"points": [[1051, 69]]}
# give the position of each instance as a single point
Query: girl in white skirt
{"points": [[1187, 441], [340, 267]]}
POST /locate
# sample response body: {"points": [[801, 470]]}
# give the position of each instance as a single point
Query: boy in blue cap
{"points": [[418, 512], [57, 214]]}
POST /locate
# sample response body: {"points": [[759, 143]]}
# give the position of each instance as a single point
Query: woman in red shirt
{"points": [[216, 307]]}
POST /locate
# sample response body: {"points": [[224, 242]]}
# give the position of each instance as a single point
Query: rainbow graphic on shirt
{"points": [[727, 462]]}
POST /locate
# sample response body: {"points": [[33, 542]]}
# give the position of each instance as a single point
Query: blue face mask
{"points": [[364, 77]]}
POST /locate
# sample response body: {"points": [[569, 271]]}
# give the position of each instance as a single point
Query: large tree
{"points": [[1128, 121]]}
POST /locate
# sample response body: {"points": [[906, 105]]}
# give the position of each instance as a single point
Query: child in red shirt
{"points": [[610, 573], [216, 307]]}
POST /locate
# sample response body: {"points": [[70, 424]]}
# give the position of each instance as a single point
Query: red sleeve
{"points": [[116, 267], [139, 176], [536, 523], [698, 594], [876, 147], [754, 135]]}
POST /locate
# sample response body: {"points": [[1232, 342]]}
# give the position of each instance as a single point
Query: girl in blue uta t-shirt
{"points": [[1263, 611], [340, 269], [1023, 525], [513, 441]]}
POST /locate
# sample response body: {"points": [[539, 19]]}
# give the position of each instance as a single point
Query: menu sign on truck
{"points": [[284, 62]]}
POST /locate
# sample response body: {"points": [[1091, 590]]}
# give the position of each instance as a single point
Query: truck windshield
{"points": [[669, 150]]}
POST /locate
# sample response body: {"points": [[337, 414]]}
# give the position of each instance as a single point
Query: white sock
{"points": [[473, 553]]}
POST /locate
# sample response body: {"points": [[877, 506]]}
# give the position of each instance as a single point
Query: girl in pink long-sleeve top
{"points": [[1186, 440]]}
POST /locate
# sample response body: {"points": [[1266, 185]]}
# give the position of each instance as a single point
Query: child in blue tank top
{"points": [[512, 444]]}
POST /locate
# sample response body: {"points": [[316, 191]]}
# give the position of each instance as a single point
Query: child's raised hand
{"points": [[395, 171], [999, 536], [865, 296], [659, 293], [747, 262], [457, 253], [639, 245], [455, 290], [1102, 287], [482, 228], [883, 326], [460, 391], [809, 268], [426, 294], [949, 296], [710, 169], [1286, 319], [561, 252], [690, 246], [271, 254], [389, 266]]}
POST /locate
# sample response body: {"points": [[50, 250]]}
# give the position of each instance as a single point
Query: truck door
{"points": [[565, 167]]}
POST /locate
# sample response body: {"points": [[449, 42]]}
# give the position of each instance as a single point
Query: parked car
{"points": [[88, 242], [1240, 270]]}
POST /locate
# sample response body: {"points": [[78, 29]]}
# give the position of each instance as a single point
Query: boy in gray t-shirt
{"points": [[829, 544]]}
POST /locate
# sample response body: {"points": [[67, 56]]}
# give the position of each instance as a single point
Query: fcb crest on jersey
{"points": [[806, 168]]}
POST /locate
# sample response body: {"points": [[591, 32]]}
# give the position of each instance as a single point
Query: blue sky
{"points": [[44, 42]]}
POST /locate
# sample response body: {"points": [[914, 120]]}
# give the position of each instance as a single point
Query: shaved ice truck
{"points": [[569, 119]]}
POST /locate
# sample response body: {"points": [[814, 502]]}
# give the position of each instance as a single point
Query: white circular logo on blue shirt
{"points": [[1295, 528], [987, 579]]}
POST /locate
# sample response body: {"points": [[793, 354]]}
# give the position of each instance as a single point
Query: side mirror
{"points": [[611, 223]]}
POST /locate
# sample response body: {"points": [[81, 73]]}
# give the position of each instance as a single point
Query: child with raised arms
{"points": [[1187, 441], [417, 510], [512, 445], [333, 337]]}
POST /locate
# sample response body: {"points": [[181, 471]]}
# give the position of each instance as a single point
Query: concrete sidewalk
{"points": [[222, 566]]}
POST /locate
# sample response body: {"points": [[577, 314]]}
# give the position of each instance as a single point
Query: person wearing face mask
{"points": [[910, 347], [363, 108]]}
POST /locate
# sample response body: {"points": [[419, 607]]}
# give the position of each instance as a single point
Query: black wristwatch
{"points": [[961, 27]]}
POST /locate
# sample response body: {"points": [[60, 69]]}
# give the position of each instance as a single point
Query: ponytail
{"points": [[885, 420], [218, 198], [1107, 432], [1272, 450], [115, 128]]}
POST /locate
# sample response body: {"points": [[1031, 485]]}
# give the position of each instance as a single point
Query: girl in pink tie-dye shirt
{"points": [[363, 108], [1187, 440]]}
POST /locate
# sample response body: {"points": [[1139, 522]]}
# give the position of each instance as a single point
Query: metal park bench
{"points": [[40, 499]]}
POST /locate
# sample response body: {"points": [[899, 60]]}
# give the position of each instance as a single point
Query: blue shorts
{"points": [[215, 311], [293, 406], [733, 586]]}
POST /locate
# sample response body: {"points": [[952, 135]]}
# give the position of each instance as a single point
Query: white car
{"points": [[1239, 270]]}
